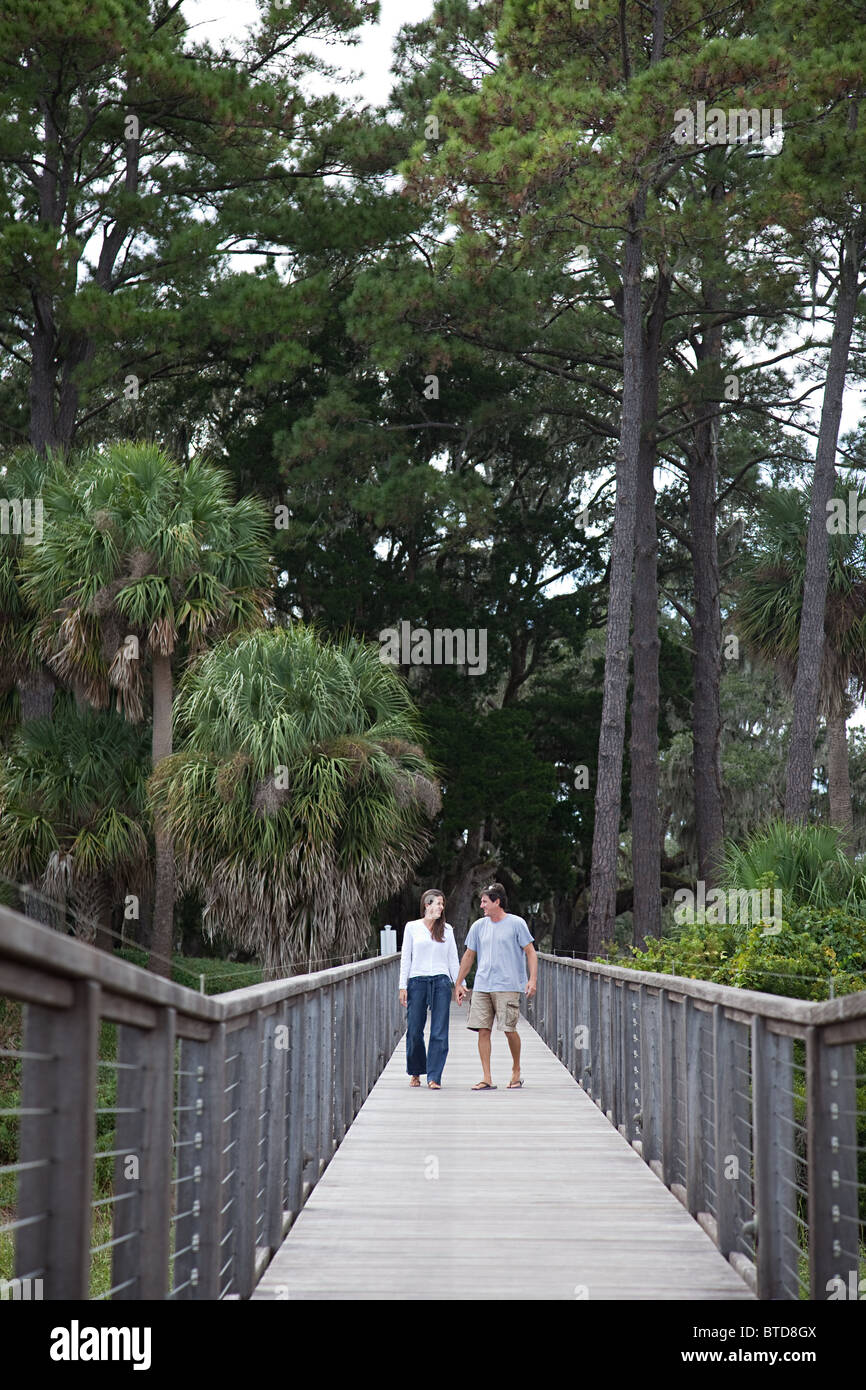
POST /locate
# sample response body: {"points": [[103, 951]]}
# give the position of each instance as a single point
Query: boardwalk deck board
{"points": [[537, 1197]]}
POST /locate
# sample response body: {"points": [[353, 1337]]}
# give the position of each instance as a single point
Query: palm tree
{"points": [[142, 556], [299, 795], [73, 810], [807, 862], [767, 619]]}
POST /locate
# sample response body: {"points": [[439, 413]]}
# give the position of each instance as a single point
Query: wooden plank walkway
{"points": [[525, 1194]]}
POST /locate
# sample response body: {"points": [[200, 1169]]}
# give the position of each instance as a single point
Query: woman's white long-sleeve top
{"points": [[424, 956]]}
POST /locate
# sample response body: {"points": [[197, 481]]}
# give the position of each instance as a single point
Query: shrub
{"points": [[814, 947]]}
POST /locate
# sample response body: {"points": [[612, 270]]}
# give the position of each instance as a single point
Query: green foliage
{"points": [[24, 475], [72, 797], [299, 795], [165, 153], [814, 947], [770, 595], [136, 545], [807, 862], [220, 976]]}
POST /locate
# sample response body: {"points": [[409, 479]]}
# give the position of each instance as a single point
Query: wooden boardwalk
{"points": [[525, 1194]]}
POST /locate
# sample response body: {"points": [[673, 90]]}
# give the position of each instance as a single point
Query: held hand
{"points": [[460, 993], [530, 989], [403, 997]]}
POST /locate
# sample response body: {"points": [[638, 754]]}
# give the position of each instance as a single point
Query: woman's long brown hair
{"points": [[439, 928]]}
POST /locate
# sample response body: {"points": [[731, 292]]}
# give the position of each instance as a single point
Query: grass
{"points": [[220, 976]]}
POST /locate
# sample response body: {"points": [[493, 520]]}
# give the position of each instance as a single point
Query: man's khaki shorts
{"points": [[503, 1005]]}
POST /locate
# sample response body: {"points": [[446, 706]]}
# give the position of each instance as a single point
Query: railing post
{"points": [[276, 1048], [351, 1050], [550, 1019], [550, 1007], [398, 1012], [340, 1061], [582, 1052], [56, 1248], [146, 1136], [666, 1071], [312, 1046], [386, 1013], [605, 1050], [650, 1105], [831, 1137], [695, 1192], [326, 1075], [373, 1040], [369, 1037], [595, 1037], [569, 1056], [564, 1015], [245, 1182], [204, 1167], [295, 1104], [632, 1084], [772, 1114], [377, 1040], [187, 1221], [359, 1056], [380, 1028], [727, 1083], [613, 1050], [620, 1044]]}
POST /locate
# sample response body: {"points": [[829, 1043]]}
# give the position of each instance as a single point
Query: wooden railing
{"points": [[744, 1104], [225, 1112]]}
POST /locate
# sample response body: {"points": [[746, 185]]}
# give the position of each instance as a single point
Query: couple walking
{"points": [[503, 945]]}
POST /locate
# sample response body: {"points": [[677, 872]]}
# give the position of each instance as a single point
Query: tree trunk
{"points": [[42, 424], [36, 694], [645, 647], [801, 754], [570, 926], [164, 879], [707, 622], [707, 646], [839, 783], [91, 902], [471, 870], [608, 791]]}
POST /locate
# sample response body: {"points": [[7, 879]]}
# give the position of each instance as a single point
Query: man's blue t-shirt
{"points": [[501, 963]]}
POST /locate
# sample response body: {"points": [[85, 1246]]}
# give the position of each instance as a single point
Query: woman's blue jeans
{"points": [[425, 992]]}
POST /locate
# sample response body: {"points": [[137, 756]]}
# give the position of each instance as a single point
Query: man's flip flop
{"points": [[514, 1085], [483, 1086]]}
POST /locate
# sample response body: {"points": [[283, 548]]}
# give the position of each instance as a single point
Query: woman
{"points": [[427, 972]]}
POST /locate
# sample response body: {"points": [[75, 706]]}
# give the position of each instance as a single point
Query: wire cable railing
{"points": [[751, 1107], [164, 1141]]}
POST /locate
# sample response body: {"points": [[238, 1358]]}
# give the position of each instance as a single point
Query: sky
{"points": [[225, 19]]}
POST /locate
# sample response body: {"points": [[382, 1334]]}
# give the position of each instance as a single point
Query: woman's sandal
{"points": [[415, 1081]]}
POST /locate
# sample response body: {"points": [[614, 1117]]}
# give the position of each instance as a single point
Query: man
{"points": [[503, 944]]}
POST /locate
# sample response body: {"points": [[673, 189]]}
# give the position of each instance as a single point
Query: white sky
{"points": [[225, 19]]}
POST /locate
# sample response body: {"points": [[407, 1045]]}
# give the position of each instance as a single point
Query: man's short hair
{"points": [[496, 893]]}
